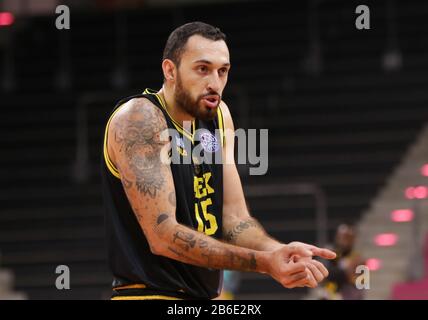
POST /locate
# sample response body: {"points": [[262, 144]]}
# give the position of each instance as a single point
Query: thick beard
{"points": [[184, 100]]}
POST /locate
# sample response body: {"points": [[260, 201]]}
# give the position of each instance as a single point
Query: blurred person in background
{"points": [[340, 284]]}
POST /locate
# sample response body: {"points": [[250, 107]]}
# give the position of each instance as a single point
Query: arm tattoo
{"points": [[159, 223], [138, 138], [172, 199], [244, 263], [180, 254], [214, 254], [202, 243], [162, 217], [214, 257], [184, 240], [189, 244], [232, 235]]}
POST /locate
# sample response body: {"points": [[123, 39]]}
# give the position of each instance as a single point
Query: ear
{"points": [[169, 70]]}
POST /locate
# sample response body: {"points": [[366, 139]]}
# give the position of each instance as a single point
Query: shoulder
{"points": [[136, 122], [227, 117], [139, 112], [224, 108]]}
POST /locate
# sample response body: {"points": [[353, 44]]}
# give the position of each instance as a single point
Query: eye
{"points": [[202, 69], [222, 71]]}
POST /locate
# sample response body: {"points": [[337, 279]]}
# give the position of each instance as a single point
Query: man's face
{"points": [[202, 76]]}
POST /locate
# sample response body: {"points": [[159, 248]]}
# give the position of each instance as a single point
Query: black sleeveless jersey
{"points": [[199, 193]]}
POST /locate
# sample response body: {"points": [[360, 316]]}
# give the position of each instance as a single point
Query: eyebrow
{"points": [[227, 64]]}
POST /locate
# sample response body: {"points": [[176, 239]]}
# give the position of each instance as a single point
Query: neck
{"points": [[174, 110]]}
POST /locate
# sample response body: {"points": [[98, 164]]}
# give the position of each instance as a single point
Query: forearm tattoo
{"points": [[232, 235], [189, 246]]}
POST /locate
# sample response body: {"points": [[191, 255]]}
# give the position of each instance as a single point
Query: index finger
{"points": [[323, 253]]}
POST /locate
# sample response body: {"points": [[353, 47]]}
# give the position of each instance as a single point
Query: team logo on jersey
{"points": [[209, 142], [180, 146], [179, 142]]}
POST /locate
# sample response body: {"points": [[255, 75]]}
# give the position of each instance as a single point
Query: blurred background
{"points": [[346, 109]]}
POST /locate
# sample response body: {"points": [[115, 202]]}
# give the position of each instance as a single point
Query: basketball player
{"points": [[173, 227]]}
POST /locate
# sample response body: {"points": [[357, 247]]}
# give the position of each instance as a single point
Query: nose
{"points": [[214, 83]]}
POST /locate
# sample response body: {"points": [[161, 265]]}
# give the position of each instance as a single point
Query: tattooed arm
{"points": [[135, 147], [239, 227]]}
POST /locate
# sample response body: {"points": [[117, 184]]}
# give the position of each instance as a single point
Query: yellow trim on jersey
{"points": [[177, 125], [153, 297], [131, 286], [221, 126], [112, 168]]}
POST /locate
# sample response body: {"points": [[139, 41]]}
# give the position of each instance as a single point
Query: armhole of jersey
{"points": [[111, 167], [221, 126]]}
